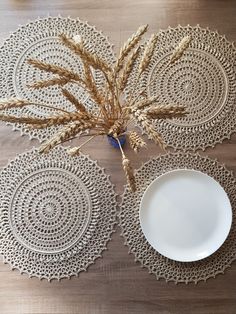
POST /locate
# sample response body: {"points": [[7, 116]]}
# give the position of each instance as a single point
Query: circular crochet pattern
{"points": [[203, 80], [57, 213], [39, 40], [157, 264]]}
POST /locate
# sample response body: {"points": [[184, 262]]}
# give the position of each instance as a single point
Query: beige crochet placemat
{"points": [[157, 264], [39, 40], [56, 213], [204, 80]]}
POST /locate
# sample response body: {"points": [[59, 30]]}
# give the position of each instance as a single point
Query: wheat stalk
{"points": [[136, 142], [148, 127], [13, 103], [84, 54], [66, 133], [117, 128], [73, 100], [88, 60], [76, 150], [55, 69], [179, 50], [89, 81], [128, 69], [45, 122], [128, 46], [129, 173], [6, 104], [25, 120], [144, 103], [62, 119], [61, 81], [166, 112], [148, 53]]}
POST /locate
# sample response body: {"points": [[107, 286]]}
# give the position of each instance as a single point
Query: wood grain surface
{"points": [[115, 284]]}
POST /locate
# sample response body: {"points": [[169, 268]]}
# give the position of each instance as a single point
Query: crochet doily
{"points": [[157, 264], [39, 40], [57, 213], [203, 80]]}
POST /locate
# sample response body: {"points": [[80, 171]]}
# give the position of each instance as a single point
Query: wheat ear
{"points": [[13, 103], [148, 53], [136, 142], [91, 59], [70, 75], [65, 134], [128, 46], [76, 150], [179, 50], [148, 127], [129, 173], [61, 81], [73, 100], [166, 112], [128, 69]]}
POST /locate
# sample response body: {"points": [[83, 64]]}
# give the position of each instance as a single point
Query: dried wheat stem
{"points": [[19, 103], [73, 100], [131, 101], [70, 75], [145, 103], [49, 107], [60, 120], [65, 134], [145, 60], [129, 173], [13, 119], [148, 128], [13, 103], [117, 128], [166, 112], [61, 81], [179, 50], [128, 69], [128, 46], [76, 150], [93, 90], [136, 142], [89, 81], [148, 53], [78, 48], [78, 136], [183, 45], [117, 105]]}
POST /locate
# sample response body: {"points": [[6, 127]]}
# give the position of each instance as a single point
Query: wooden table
{"points": [[115, 284]]}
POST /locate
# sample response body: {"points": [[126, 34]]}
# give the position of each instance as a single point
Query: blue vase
{"points": [[114, 142]]}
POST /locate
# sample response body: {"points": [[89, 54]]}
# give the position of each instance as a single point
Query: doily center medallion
{"points": [[197, 81], [49, 211]]}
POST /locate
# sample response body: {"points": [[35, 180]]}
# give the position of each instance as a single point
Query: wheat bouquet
{"points": [[113, 113]]}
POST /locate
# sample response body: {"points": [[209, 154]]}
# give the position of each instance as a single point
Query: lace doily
{"points": [[39, 40], [57, 213], [157, 264], [203, 80]]}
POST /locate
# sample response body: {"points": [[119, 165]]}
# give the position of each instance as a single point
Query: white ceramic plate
{"points": [[185, 215]]}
